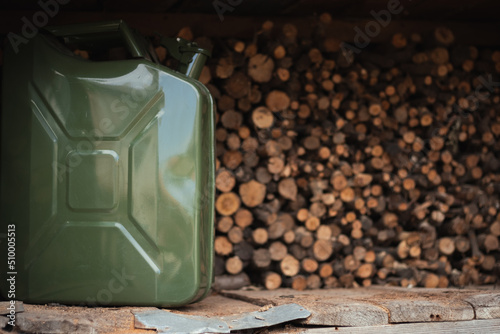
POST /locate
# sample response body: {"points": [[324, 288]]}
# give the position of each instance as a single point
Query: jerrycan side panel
{"points": [[110, 181], [186, 160], [205, 170]]}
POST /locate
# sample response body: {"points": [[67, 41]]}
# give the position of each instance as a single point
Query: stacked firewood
{"points": [[338, 168]]}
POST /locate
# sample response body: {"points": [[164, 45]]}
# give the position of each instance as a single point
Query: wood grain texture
{"points": [[426, 310], [328, 307], [458, 327], [345, 314], [382, 305], [486, 305]]}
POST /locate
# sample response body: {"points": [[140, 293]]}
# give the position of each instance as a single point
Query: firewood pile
{"points": [[341, 169], [344, 167]]}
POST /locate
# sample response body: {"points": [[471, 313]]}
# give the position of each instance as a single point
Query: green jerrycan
{"points": [[107, 171]]}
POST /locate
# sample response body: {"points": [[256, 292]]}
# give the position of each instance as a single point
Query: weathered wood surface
{"points": [[415, 310], [328, 307], [77, 319], [486, 305], [485, 302], [424, 305], [363, 310], [217, 306], [381, 305], [458, 327], [19, 307], [345, 314]]}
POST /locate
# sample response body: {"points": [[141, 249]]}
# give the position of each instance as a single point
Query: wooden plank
{"points": [[217, 306], [5, 307], [486, 305], [332, 307], [425, 305], [427, 310], [77, 319], [479, 34], [328, 307], [344, 314], [484, 300], [458, 327], [3, 321], [423, 9]]}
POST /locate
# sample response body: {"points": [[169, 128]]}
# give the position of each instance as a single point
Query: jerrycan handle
{"points": [[191, 57], [101, 33]]}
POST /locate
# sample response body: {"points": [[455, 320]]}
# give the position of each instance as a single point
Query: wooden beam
{"points": [[479, 33]]}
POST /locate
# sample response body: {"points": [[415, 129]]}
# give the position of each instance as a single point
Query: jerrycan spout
{"points": [[191, 57]]}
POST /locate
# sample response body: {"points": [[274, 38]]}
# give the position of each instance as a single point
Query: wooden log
{"points": [[288, 189], [252, 193], [314, 282], [289, 237], [243, 218], [222, 246], [262, 117], [299, 282], [462, 244], [260, 68], [238, 85], [309, 265], [224, 68], [325, 270], [322, 249], [289, 266], [231, 282], [446, 246], [351, 264], [365, 271], [303, 237], [232, 159], [259, 236], [261, 258], [495, 228], [235, 235], [277, 101], [272, 280], [276, 230], [231, 119], [313, 223], [430, 280], [488, 242], [224, 224], [243, 250], [227, 203], [234, 265], [277, 251]]}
